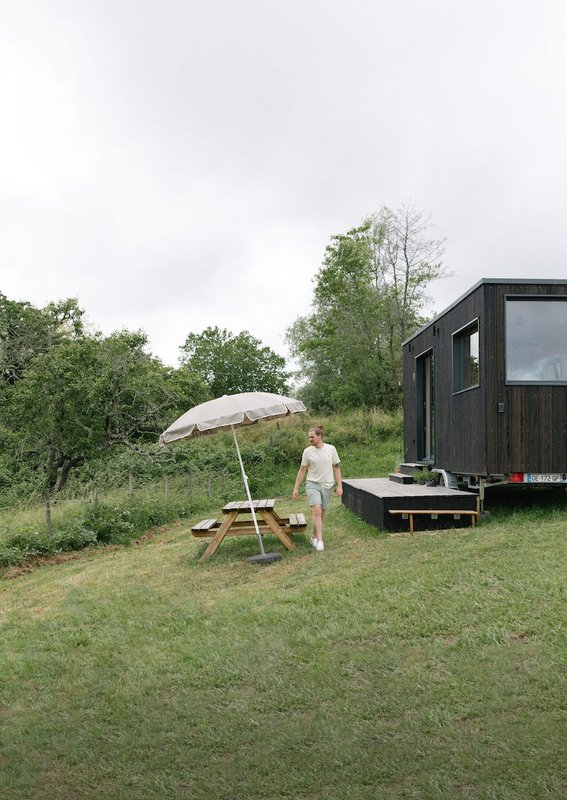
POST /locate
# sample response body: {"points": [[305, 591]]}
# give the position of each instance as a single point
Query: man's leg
{"points": [[317, 515]]}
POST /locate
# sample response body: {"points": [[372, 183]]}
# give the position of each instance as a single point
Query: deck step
{"points": [[409, 468], [399, 477]]}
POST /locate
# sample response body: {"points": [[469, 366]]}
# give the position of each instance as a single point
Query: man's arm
{"points": [[299, 481], [339, 479]]}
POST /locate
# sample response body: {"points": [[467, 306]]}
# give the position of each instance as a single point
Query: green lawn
{"points": [[432, 666]]}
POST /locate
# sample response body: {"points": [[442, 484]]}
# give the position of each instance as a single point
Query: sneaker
{"points": [[313, 541], [319, 546]]}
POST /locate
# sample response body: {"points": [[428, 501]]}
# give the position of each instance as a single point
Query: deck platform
{"points": [[435, 507]]}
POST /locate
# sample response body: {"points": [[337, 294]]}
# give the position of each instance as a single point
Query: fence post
{"points": [[48, 523], [166, 487]]}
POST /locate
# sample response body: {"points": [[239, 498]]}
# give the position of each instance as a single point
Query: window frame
{"points": [[475, 322], [561, 298]]}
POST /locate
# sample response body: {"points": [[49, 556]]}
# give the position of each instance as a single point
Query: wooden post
{"points": [[48, 523], [166, 487]]}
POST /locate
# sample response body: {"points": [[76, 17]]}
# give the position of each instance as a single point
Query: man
{"points": [[322, 464]]}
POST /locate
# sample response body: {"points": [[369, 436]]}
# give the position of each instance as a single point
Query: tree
{"points": [[26, 331], [229, 364], [369, 295], [85, 395]]}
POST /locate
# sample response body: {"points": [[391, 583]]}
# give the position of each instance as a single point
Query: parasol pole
{"points": [[247, 489]]}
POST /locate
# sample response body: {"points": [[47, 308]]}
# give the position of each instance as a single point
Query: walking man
{"points": [[321, 463]]}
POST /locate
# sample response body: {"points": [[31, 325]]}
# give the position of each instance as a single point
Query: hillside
{"points": [[421, 667]]}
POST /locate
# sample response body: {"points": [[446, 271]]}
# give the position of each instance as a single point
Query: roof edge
{"points": [[513, 281]]}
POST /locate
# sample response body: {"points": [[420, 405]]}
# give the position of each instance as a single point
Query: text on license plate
{"points": [[547, 477]]}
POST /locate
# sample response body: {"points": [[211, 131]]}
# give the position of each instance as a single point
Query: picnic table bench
{"points": [[238, 522]]}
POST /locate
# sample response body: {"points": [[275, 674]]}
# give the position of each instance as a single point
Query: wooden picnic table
{"points": [[238, 521]]}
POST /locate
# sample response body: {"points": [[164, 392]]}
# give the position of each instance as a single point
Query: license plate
{"points": [[546, 477]]}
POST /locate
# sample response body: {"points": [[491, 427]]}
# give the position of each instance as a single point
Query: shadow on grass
{"points": [[536, 502]]}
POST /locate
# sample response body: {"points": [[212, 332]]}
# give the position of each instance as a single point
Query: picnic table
{"points": [[238, 521]]}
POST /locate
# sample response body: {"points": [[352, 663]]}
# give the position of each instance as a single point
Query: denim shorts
{"points": [[317, 494]]}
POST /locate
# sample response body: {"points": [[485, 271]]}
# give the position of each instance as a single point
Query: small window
{"points": [[536, 340], [465, 358]]}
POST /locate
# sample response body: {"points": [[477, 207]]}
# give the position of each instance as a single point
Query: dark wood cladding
{"points": [[472, 436]]}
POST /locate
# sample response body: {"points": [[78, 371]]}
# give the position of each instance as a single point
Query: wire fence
{"points": [[195, 487]]}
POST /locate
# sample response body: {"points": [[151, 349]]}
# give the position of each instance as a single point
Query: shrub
{"points": [[32, 543], [111, 524], [75, 538], [10, 556]]}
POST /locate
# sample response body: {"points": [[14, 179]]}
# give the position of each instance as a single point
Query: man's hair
{"points": [[318, 429]]}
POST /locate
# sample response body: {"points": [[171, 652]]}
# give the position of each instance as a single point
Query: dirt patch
{"points": [[33, 563]]}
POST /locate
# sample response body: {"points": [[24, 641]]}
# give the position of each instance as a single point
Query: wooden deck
{"points": [[393, 506]]}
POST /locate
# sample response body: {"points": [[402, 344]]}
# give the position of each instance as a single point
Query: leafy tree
{"points": [[229, 364], [85, 395], [369, 295], [26, 331]]}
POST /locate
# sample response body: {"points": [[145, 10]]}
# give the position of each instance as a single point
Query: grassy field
{"points": [[432, 666]]}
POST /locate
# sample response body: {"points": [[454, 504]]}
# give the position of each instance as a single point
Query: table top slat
{"points": [[243, 506], [266, 504]]}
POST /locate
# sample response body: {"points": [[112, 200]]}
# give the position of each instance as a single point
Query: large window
{"points": [[536, 340], [465, 358]]}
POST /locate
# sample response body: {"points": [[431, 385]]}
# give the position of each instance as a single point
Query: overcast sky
{"points": [[176, 164]]}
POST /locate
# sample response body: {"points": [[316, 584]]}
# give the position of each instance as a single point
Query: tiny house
{"points": [[485, 386]]}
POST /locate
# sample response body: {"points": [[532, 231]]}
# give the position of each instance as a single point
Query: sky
{"points": [[179, 165]]}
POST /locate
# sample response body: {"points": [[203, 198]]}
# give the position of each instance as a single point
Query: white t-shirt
{"points": [[320, 462]]}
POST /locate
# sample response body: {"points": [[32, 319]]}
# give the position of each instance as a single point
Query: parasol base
{"points": [[264, 558]]}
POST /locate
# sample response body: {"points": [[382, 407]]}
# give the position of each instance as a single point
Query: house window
{"points": [[465, 358], [536, 340]]}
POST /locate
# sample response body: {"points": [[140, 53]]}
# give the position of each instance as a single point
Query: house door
{"points": [[425, 385]]}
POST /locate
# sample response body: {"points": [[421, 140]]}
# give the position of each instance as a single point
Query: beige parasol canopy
{"points": [[230, 411]]}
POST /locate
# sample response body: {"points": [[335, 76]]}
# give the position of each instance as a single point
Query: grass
{"points": [[431, 666]]}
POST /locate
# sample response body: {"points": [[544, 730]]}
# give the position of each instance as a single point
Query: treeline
{"points": [[75, 402]]}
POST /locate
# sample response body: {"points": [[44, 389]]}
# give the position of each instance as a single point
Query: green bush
{"points": [[10, 556], [75, 537], [26, 544], [111, 524], [32, 543]]}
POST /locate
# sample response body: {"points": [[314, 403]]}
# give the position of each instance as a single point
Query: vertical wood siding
{"points": [[472, 435]]}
